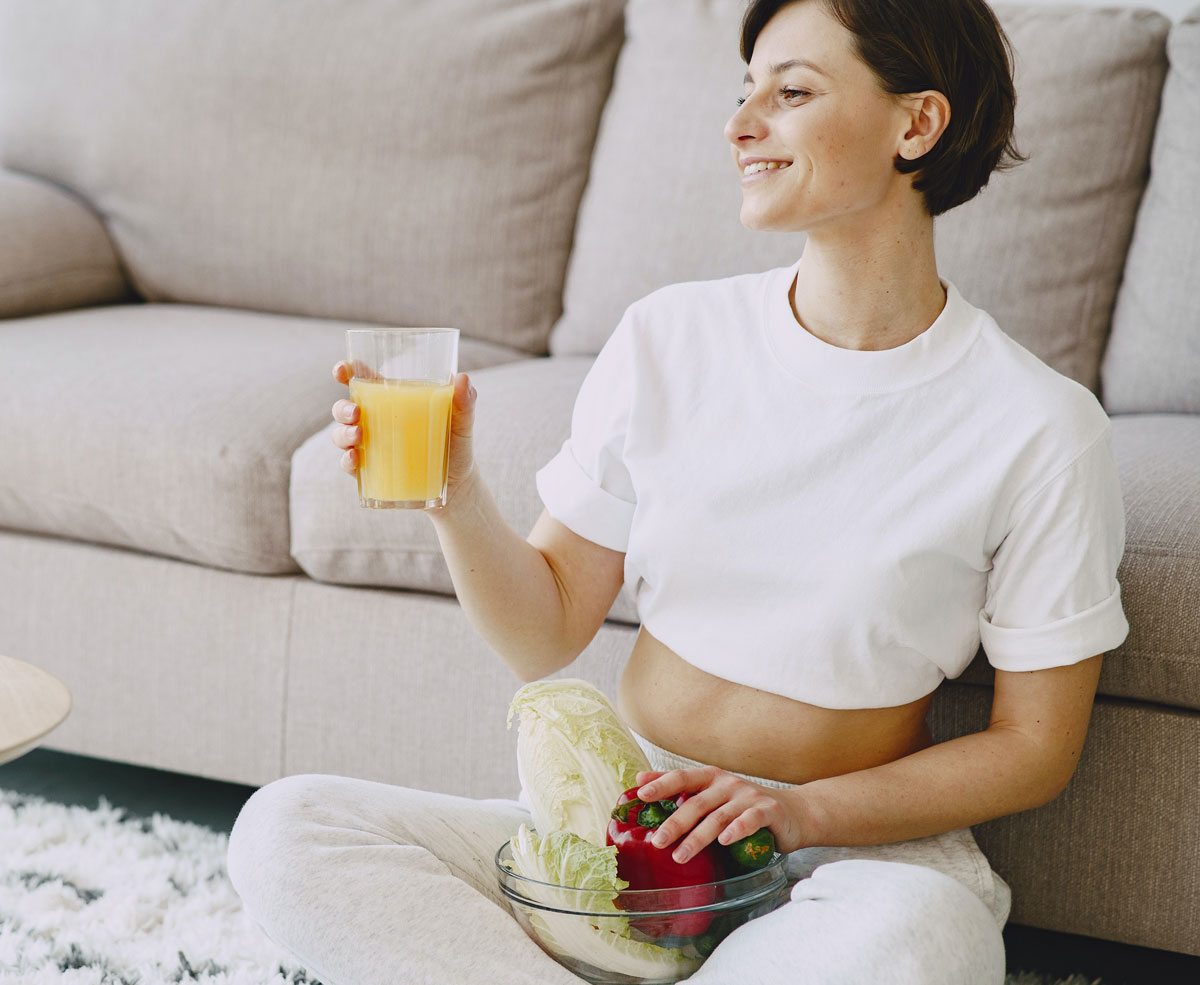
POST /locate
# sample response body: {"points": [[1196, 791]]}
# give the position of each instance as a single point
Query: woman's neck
{"points": [[869, 291]]}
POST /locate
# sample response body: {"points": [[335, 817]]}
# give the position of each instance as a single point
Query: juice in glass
{"points": [[405, 441]]}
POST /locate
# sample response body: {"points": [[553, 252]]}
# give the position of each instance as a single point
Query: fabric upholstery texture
{"points": [[167, 428], [522, 416], [406, 164], [54, 250], [1041, 248], [1159, 458], [1152, 363], [170, 665]]}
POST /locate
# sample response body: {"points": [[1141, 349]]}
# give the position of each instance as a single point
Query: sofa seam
{"points": [[287, 677]]}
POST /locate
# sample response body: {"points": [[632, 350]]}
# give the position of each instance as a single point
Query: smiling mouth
{"points": [[758, 166]]}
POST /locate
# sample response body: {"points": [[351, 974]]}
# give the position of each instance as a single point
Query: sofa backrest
{"points": [[1041, 247], [391, 162], [1152, 363]]}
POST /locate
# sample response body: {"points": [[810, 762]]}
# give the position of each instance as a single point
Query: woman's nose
{"points": [[746, 123]]}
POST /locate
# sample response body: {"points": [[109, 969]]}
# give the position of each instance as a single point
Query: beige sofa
{"points": [[197, 198]]}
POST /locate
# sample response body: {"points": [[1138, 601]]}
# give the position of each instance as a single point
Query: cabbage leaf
{"points": [[575, 756]]}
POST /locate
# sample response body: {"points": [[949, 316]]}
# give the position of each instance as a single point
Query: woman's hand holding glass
{"points": [[723, 808], [348, 436]]}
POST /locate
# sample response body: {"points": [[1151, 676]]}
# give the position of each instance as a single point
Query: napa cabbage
{"points": [[575, 756]]}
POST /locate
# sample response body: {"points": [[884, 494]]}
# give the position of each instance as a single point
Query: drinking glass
{"points": [[403, 382]]}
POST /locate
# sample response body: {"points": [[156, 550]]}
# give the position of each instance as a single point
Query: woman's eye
{"points": [[786, 93]]}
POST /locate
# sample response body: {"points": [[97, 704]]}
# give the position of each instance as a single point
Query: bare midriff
{"points": [[742, 729]]}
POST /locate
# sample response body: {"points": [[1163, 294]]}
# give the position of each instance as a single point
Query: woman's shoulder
{"points": [[1031, 394]]}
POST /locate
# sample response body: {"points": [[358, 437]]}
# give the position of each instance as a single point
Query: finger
{"points": [[345, 412], [347, 436], [464, 393], [695, 808], [706, 832], [675, 782], [345, 371], [349, 461], [752, 818], [645, 776]]}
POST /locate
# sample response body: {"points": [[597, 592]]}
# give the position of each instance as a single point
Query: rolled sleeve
{"points": [[575, 500], [1053, 597], [1056, 644]]}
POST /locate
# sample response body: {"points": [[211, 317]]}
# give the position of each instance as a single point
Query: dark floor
{"points": [[70, 779]]}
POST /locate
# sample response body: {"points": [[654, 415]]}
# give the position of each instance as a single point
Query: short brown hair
{"points": [[956, 47]]}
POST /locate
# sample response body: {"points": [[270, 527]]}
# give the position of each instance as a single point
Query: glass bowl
{"points": [[638, 937]]}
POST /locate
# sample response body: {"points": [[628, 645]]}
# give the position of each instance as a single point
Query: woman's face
{"points": [[830, 129]]}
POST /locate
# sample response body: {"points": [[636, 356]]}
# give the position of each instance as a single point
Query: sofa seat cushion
{"points": [[522, 417], [1041, 248], [165, 428], [1159, 459], [1152, 363]]}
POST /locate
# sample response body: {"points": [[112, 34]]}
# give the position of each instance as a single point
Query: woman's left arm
{"points": [[1023, 759]]}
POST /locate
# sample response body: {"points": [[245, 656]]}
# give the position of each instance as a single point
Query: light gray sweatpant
{"points": [[373, 884]]}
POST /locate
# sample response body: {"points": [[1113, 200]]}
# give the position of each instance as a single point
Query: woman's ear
{"points": [[928, 117]]}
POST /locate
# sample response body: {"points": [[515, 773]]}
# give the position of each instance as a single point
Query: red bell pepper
{"points": [[646, 866]]}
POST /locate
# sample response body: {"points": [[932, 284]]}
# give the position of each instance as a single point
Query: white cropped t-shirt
{"points": [[843, 527]]}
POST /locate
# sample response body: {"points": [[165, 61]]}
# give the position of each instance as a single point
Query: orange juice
{"points": [[405, 440]]}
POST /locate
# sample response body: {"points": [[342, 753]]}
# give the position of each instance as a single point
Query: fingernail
{"points": [[659, 840], [680, 856], [646, 793]]}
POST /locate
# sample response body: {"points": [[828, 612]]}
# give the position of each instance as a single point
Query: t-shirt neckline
{"points": [[832, 368]]}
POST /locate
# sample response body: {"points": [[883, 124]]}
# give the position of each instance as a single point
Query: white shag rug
{"points": [[94, 897]]}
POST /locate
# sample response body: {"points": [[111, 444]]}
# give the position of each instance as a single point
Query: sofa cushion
{"points": [[1041, 248], [1153, 358], [1159, 458], [523, 416], [399, 163], [166, 428], [54, 250]]}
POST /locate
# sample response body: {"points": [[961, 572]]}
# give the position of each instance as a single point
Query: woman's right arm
{"points": [[537, 602]]}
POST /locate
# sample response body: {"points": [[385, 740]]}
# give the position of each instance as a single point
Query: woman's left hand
{"points": [[723, 808]]}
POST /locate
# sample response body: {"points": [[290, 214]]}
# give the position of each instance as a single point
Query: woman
{"points": [[828, 484]]}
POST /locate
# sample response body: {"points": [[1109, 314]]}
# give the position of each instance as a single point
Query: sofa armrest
{"points": [[54, 251]]}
